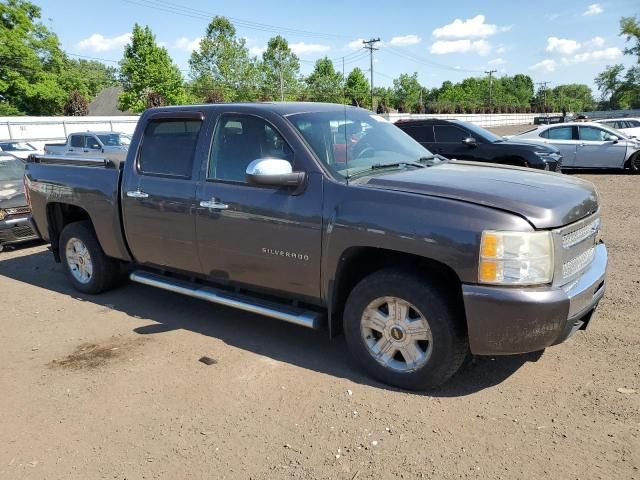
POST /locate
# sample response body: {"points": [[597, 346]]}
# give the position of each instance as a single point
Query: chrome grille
{"points": [[575, 248]]}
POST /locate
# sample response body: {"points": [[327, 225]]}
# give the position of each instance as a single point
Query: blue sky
{"points": [[555, 41]]}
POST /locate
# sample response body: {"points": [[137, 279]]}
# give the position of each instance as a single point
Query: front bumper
{"points": [[503, 321], [16, 229]]}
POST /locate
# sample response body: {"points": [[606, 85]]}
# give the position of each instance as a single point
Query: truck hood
{"points": [[546, 200], [12, 194]]}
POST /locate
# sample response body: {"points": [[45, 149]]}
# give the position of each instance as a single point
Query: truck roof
{"points": [[282, 108]]}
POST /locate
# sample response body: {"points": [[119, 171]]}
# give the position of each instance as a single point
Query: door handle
{"points": [[86, 151], [214, 203], [137, 194]]}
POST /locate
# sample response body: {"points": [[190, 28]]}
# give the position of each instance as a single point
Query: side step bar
{"points": [[305, 318]]}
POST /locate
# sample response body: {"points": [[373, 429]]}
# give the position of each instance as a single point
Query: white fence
{"points": [[51, 129], [482, 120]]}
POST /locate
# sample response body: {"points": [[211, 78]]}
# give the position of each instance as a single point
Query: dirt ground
{"points": [[111, 387]]}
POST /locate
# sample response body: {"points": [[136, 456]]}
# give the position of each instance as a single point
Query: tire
{"points": [[441, 347], [634, 164], [92, 272]]}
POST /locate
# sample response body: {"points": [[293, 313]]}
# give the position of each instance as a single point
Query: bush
{"points": [[77, 105], [154, 99], [214, 96]]}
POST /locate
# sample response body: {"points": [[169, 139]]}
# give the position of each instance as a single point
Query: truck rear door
{"points": [[251, 235], [159, 192]]}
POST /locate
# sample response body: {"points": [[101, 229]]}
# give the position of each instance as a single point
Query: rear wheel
{"points": [[86, 265], [403, 331]]}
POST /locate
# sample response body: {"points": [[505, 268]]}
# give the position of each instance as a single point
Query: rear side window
{"points": [[449, 134], [633, 123], [168, 147], [421, 133], [560, 133], [77, 141]]}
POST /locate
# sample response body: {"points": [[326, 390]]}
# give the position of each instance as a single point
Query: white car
{"points": [[629, 126], [19, 148], [588, 145]]}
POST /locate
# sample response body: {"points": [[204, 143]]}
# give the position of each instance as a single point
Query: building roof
{"points": [[106, 103]]}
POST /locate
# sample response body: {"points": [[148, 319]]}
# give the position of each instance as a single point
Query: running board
{"points": [[305, 318]]}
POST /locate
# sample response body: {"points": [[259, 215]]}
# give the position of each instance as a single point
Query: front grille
{"points": [[575, 248]]}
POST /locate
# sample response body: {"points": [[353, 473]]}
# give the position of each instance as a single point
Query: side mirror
{"points": [[273, 172], [470, 142], [612, 138]]}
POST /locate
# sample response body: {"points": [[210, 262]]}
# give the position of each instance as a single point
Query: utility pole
{"points": [[369, 45], [543, 87], [281, 79], [490, 73]]}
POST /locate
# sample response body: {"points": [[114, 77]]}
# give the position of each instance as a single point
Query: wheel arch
{"points": [[59, 215]]}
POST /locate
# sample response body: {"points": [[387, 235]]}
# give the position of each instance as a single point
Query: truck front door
{"points": [[251, 235], [159, 193]]}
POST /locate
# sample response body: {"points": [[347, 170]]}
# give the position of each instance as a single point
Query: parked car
{"points": [[588, 145], [628, 126], [418, 260], [15, 222], [18, 148], [466, 141], [112, 145]]}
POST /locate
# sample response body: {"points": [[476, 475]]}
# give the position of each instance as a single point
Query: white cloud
{"points": [[496, 61], [257, 51], [562, 45], [471, 28], [100, 43], [355, 44], [405, 40], [502, 49], [302, 48], [593, 9], [546, 65], [594, 42], [443, 47], [183, 43], [604, 54]]}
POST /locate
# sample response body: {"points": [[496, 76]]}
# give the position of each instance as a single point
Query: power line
{"points": [[543, 87], [421, 60], [369, 45]]}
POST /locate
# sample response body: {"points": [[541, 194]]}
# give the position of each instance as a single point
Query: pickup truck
{"points": [[418, 260], [111, 145]]}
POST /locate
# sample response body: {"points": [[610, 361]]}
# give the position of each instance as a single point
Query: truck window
{"points": [[168, 147], [77, 141], [91, 142], [238, 141]]}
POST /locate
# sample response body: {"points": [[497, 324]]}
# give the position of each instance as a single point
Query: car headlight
{"points": [[3, 214], [550, 156], [515, 258]]}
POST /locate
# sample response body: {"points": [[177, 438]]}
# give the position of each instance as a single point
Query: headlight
{"points": [[551, 156], [3, 214], [516, 258]]}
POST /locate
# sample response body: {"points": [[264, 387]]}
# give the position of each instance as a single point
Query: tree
{"points": [[89, 77], [31, 61], [630, 27], [77, 105], [222, 63], [147, 68], [357, 89], [407, 93], [324, 84], [609, 81], [280, 69], [573, 97]]}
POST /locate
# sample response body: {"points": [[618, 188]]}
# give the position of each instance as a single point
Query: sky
{"points": [[556, 41]]}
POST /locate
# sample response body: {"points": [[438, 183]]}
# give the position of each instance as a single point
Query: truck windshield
{"points": [[352, 140], [115, 139], [11, 169]]}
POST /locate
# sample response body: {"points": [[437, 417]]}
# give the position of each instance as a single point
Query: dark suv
{"points": [[466, 141]]}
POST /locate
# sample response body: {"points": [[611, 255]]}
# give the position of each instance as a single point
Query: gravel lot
{"points": [[111, 387]]}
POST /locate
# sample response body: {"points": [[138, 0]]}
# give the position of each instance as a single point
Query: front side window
{"points": [[593, 134], [238, 141], [450, 134], [350, 140], [91, 142], [168, 147], [114, 139], [560, 133], [421, 133]]}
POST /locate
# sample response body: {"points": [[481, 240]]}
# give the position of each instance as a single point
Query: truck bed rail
{"points": [[78, 161]]}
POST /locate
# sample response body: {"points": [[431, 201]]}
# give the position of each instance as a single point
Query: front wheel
{"points": [[403, 331], [634, 163]]}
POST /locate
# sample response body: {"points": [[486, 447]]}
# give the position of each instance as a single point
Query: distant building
{"points": [[106, 103]]}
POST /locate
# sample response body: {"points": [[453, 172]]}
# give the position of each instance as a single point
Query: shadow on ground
{"points": [[264, 336]]}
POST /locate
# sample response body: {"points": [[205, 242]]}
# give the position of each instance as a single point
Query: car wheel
{"points": [[403, 331], [634, 163], [86, 265]]}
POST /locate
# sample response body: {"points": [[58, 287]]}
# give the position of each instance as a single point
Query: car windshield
{"points": [[11, 169], [115, 139], [350, 140], [16, 147], [482, 133]]}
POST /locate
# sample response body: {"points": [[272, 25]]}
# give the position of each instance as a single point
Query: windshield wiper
{"points": [[377, 166]]}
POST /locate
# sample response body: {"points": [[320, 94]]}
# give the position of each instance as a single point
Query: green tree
{"points": [[222, 64], [147, 69], [324, 84], [608, 82], [407, 93], [88, 77], [280, 70], [31, 61], [573, 97], [630, 27], [357, 89]]}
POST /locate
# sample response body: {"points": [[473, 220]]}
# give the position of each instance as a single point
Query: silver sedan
{"points": [[588, 145]]}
